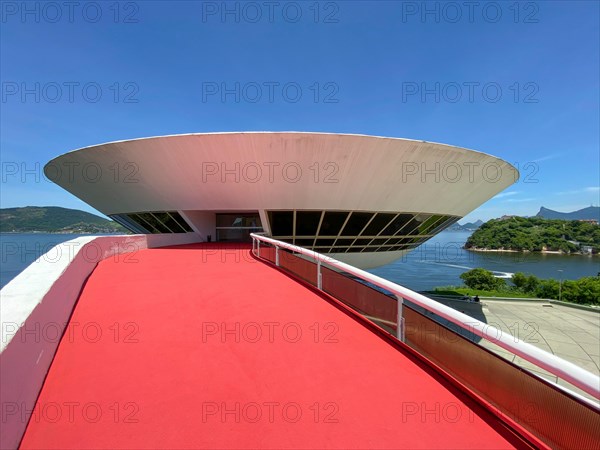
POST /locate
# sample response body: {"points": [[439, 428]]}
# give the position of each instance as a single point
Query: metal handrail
{"points": [[563, 369]]}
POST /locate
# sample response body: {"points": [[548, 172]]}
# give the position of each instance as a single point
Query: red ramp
{"points": [[199, 347]]}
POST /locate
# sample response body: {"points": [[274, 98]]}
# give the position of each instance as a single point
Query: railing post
{"points": [[277, 256], [400, 320], [253, 245], [565, 370], [319, 276]]}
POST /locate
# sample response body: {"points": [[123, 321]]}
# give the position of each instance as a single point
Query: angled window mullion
{"points": [[130, 224], [441, 219], [318, 228], [176, 222], [342, 228], [182, 222], [160, 221], [152, 228], [365, 227], [429, 223], [387, 225], [403, 226], [398, 233], [448, 220], [417, 215]]}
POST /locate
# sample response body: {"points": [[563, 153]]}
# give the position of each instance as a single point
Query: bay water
{"points": [[437, 262]]}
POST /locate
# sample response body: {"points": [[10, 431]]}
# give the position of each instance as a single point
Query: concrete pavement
{"points": [[572, 334]]}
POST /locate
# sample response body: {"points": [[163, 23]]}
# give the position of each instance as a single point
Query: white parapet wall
{"points": [[35, 310]]}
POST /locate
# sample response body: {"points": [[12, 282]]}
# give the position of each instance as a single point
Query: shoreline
{"points": [[545, 252]]}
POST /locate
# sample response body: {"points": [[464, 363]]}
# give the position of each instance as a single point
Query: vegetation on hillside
{"points": [[585, 290], [482, 279], [463, 291], [52, 219], [535, 234], [482, 282]]}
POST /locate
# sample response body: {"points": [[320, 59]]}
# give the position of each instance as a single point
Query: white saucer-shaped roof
{"points": [[280, 170], [365, 199]]}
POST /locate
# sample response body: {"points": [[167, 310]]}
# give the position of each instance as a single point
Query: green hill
{"points": [[53, 219], [536, 234]]}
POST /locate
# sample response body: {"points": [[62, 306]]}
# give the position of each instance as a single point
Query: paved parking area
{"points": [[573, 334]]}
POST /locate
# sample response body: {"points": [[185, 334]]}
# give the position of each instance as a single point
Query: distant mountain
{"points": [[469, 226], [472, 225], [589, 213], [53, 219]]}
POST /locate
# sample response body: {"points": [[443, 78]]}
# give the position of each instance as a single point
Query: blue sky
{"points": [[105, 71]]}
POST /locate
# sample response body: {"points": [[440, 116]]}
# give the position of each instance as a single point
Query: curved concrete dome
{"points": [[302, 186]]}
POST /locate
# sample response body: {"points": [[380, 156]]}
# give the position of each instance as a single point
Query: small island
{"points": [[53, 219], [536, 234]]}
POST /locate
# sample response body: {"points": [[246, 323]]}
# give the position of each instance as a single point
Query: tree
{"points": [[588, 290], [585, 290], [482, 279], [531, 284], [547, 289], [519, 279], [525, 283]]}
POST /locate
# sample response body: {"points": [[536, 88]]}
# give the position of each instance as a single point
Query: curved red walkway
{"points": [[194, 347]]}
